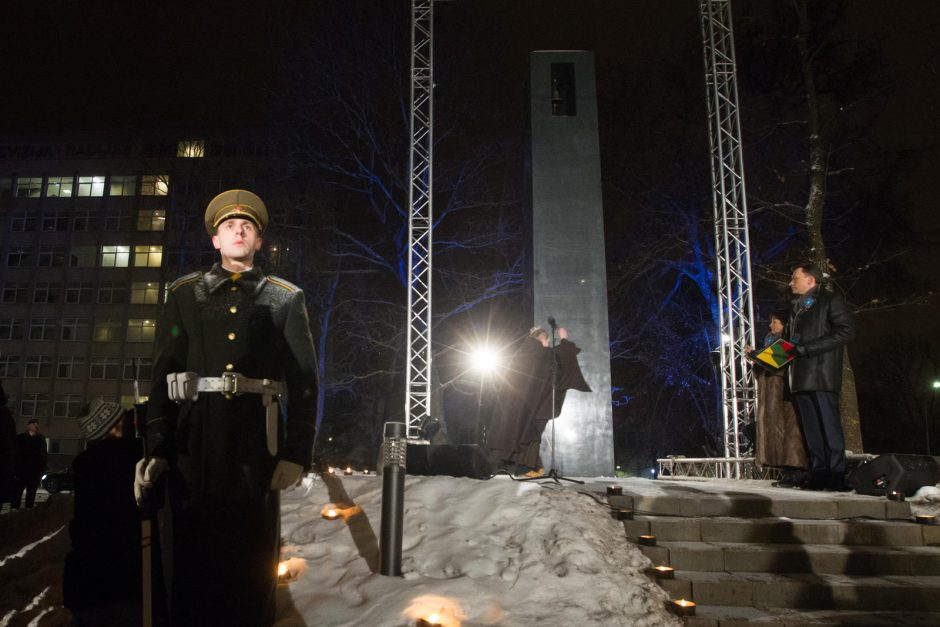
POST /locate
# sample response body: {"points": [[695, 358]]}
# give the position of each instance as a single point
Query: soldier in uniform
{"points": [[231, 420]]}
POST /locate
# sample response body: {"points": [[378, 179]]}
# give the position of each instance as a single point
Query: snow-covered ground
{"points": [[492, 552]]}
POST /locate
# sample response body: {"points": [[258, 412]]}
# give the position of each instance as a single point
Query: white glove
{"points": [[144, 476], [286, 474]]}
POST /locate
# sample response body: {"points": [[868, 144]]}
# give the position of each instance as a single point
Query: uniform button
{"points": [[229, 367], [233, 309], [231, 336]]}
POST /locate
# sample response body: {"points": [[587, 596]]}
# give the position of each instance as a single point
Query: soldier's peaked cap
{"points": [[236, 203]]}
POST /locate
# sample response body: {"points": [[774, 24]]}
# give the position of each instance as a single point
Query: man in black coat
{"points": [[29, 462], [231, 416], [820, 326]]}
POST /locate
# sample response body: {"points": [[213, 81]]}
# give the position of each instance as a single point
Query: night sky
{"points": [[100, 66]]}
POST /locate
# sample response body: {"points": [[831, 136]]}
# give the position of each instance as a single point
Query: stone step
{"points": [[730, 616], [784, 531], [894, 593], [786, 504], [796, 558]]}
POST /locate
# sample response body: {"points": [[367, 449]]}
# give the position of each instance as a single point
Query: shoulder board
{"points": [[287, 285], [183, 280]]}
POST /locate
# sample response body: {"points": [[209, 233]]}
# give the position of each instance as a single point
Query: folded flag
{"points": [[776, 355]]}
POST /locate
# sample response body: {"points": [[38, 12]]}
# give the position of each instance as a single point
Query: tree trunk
{"points": [[815, 204]]}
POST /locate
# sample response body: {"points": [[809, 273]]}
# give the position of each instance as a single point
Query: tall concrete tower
{"points": [[569, 279]]}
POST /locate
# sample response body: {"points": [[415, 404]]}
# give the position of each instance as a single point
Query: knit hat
{"points": [[101, 417]]}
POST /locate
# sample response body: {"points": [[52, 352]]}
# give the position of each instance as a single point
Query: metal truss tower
{"points": [[418, 392], [732, 247]]}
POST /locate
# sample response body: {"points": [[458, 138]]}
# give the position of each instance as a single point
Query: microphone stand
{"points": [[552, 474]]}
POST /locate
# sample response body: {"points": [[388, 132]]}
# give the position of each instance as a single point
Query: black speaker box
{"points": [[894, 473], [454, 460]]}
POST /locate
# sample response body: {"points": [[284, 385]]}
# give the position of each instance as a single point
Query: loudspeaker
{"points": [[894, 473], [454, 460]]}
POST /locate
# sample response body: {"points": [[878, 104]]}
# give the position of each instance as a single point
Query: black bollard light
{"points": [[394, 446]]}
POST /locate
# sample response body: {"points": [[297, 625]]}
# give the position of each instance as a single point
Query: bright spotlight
{"points": [[484, 359]]}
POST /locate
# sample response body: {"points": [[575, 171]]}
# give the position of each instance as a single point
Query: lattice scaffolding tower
{"points": [[418, 383], [732, 246]]}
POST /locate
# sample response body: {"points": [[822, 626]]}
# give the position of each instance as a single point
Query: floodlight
{"points": [[484, 359]]}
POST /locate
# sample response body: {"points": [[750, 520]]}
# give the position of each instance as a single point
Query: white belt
{"points": [[186, 386]]}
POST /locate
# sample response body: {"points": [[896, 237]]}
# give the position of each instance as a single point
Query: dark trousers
{"points": [[30, 484], [825, 442]]}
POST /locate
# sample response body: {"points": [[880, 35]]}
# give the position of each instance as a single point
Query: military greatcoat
{"points": [[226, 519]]}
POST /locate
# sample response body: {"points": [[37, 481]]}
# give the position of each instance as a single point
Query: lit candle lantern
{"points": [[646, 540], [330, 514], [331, 470], [664, 572], [614, 490], [895, 496], [681, 607], [283, 573], [430, 621], [348, 471], [926, 519], [622, 514]]}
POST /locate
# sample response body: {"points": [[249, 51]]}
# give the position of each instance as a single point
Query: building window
{"points": [[85, 220], [154, 185], [564, 100], [19, 257], [71, 368], [55, 221], [123, 186], [191, 148], [75, 329], [34, 406], [46, 293], [91, 186], [67, 406], [59, 186], [29, 187], [116, 220], [23, 222], [83, 257], [108, 330], [115, 256], [42, 329], [6, 186], [38, 367], [15, 293], [51, 256], [148, 256], [11, 329], [140, 330], [140, 368], [112, 293], [145, 293], [9, 366], [151, 220], [105, 368], [79, 294]]}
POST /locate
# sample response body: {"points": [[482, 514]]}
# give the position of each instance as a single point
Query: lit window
{"points": [[105, 368], [191, 148], [83, 256], [154, 185], [59, 187], [91, 186], [34, 406], [111, 293], [29, 187], [140, 368], [9, 366], [71, 368], [123, 186], [11, 329], [140, 330], [38, 367], [145, 293], [67, 406], [148, 256], [23, 222], [115, 256], [151, 220], [42, 329], [108, 330], [75, 330]]}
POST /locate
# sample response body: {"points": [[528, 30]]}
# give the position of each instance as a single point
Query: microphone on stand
{"points": [[551, 322]]}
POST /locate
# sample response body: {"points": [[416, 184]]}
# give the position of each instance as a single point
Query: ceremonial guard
{"points": [[231, 422]]}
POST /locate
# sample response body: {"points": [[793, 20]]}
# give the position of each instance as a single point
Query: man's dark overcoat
{"points": [[820, 331], [226, 519]]}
